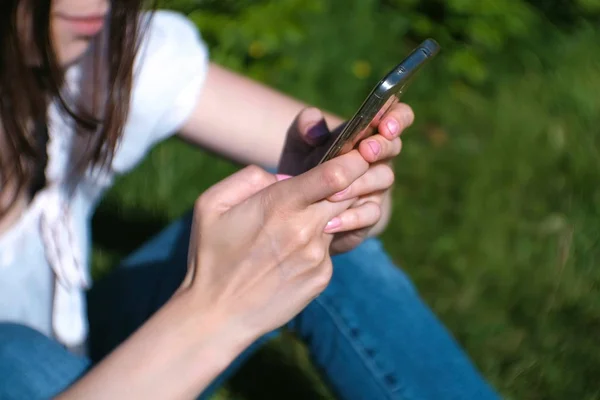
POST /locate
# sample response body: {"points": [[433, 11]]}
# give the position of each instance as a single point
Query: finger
{"points": [[398, 118], [346, 241], [236, 188], [378, 147], [308, 130], [375, 197], [378, 178], [353, 219], [320, 182]]}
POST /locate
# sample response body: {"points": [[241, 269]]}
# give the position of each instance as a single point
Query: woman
{"points": [[87, 87]]}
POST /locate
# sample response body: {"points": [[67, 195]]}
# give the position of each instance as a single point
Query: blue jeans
{"points": [[369, 333]]}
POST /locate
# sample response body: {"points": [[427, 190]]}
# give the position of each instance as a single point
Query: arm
{"points": [[252, 134], [255, 133], [219, 309], [176, 354]]}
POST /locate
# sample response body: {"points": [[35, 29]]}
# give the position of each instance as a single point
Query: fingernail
{"points": [[393, 126], [317, 132], [343, 192], [376, 147], [333, 224], [282, 177]]}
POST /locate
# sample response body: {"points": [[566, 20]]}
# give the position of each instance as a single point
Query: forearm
{"points": [[175, 355], [242, 119], [247, 122]]}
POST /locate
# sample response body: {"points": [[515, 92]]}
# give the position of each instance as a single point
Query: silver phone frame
{"points": [[384, 95]]}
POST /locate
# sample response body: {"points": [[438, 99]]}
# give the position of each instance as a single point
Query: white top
{"points": [[44, 256]]}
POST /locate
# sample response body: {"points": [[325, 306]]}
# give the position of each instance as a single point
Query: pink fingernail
{"points": [[333, 224], [376, 147], [343, 192], [282, 177], [393, 126]]}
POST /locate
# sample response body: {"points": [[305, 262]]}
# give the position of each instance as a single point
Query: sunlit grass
{"points": [[496, 218]]}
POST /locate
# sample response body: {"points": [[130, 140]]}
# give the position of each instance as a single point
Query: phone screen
{"points": [[385, 94]]}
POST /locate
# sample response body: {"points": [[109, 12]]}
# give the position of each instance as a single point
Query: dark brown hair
{"points": [[27, 87]]}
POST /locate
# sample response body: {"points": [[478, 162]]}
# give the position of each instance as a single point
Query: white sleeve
{"points": [[169, 73]]}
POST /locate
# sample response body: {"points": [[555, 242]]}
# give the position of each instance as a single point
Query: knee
{"points": [[19, 344], [34, 366], [16, 338]]}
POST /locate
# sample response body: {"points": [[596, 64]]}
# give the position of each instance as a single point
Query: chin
{"points": [[73, 53]]}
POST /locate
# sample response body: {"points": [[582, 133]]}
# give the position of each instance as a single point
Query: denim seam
{"points": [[343, 329]]}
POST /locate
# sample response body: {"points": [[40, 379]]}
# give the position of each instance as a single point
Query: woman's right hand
{"points": [[258, 252], [258, 255]]}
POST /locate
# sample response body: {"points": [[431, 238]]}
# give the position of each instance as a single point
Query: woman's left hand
{"points": [[371, 193]]}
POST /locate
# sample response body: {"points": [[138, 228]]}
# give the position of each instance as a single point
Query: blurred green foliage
{"points": [[497, 196], [264, 33]]}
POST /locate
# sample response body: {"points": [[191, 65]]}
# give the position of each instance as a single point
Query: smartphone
{"points": [[385, 94]]}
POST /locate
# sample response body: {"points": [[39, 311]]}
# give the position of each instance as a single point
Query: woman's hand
{"points": [[259, 251], [258, 255], [308, 139]]}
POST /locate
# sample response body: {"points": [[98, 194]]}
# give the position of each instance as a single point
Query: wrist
{"points": [[213, 332], [183, 342], [195, 343]]}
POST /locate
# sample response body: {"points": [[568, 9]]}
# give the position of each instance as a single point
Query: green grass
{"points": [[496, 218]]}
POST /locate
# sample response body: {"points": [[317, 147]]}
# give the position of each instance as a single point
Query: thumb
{"points": [[307, 133], [236, 188], [308, 130]]}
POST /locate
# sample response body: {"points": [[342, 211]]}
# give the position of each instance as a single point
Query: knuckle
{"points": [[257, 176], [376, 212], [315, 253], [303, 235], [324, 275], [203, 204], [377, 200], [336, 177]]}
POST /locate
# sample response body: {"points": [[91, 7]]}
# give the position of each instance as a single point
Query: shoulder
{"points": [[169, 36], [170, 70], [168, 30]]}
